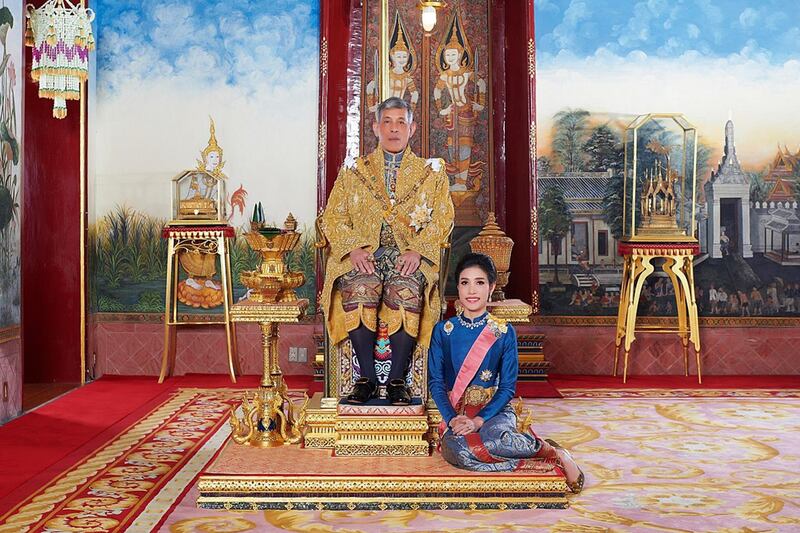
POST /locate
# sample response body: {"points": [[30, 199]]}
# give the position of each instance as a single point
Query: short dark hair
{"points": [[394, 102], [482, 261]]}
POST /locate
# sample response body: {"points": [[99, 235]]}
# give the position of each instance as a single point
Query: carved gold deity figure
{"points": [[460, 95], [402, 66]]}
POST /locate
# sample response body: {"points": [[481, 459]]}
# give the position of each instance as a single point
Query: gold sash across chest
{"points": [[382, 196]]}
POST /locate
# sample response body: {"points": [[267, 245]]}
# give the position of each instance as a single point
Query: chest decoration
{"points": [[448, 327], [420, 216], [486, 375]]}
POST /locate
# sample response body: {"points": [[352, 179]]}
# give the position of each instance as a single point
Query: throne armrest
{"points": [[322, 245], [444, 269]]}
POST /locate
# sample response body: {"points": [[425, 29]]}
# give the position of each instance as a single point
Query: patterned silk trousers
{"points": [[496, 447]]}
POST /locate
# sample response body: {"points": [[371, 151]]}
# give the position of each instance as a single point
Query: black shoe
{"points": [[363, 391], [398, 392]]}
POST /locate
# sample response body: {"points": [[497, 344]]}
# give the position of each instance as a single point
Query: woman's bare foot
{"points": [[572, 471]]}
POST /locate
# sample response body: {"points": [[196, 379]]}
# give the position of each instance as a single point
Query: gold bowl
{"points": [[273, 281], [271, 289]]}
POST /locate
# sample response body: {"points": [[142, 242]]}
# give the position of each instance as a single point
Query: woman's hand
{"points": [[463, 425]]}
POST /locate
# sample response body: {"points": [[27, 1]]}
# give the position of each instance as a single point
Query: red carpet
{"points": [[41, 444]]}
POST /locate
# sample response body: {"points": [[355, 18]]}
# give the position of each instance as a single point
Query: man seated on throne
{"points": [[386, 218]]}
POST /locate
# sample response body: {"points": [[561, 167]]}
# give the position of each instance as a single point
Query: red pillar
{"points": [[50, 247]]}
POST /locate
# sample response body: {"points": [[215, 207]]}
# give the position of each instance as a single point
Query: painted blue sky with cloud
{"points": [[768, 29], [247, 43]]}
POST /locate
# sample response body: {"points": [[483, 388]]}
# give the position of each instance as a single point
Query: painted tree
{"points": [[569, 136], [555, 220], [543, 165], [603, 151], [759, 189], [613, 204]]}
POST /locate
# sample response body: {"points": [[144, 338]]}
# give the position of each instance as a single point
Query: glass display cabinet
{"points": [[660, 179], [198, 197]]}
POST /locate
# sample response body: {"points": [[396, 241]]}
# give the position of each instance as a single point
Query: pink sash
{"points": [[470, 367]]}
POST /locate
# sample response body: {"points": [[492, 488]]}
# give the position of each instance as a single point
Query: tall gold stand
{"points": [[679, 266], [268, 413], [205, 240]]}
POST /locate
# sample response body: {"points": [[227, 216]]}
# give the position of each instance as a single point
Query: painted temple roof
{"points": [[783, 221], [583, 191]]}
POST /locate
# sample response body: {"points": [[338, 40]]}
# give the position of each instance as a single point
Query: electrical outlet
{"points": [[302, 355], [5, 391], [293, 354]]}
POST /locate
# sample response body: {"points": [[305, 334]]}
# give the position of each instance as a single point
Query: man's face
{"points": [[394, 130]]}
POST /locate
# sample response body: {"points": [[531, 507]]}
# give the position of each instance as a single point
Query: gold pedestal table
{"points": [[678, 261], [205, 243], [268, 413]]}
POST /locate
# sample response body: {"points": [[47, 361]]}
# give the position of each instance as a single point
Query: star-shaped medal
{"points": [[486, 375], [420, 216]]}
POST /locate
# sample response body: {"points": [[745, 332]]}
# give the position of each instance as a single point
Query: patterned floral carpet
{"points": [[718, 462]]}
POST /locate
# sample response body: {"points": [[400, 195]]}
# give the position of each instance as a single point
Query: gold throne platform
{"points": [[376, 428]]}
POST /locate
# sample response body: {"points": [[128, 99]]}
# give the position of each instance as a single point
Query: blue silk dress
{"points": [[497, 446]]}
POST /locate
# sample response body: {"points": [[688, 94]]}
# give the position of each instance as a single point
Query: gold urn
{"points": [[493, 242], [273, 282]]}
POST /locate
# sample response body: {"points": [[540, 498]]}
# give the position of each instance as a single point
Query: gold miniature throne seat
{"points": [[340, 371]]}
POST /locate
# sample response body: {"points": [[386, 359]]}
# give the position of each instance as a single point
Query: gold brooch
{"points": [[486, 375], [420, 216], [448, 327]]}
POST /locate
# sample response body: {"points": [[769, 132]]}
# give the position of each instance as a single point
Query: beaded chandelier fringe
{"points": [[60, 34]]}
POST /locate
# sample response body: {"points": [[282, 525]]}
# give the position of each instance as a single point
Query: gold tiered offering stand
{"points": [[269, 417], [493, 241], [268, 414]]}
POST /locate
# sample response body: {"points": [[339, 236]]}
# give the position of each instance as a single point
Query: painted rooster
{"points": [[237, 199]]}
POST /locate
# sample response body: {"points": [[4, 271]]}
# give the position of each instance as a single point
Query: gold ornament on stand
{"points": [[269, 417], [272, 282], [492, 241]]}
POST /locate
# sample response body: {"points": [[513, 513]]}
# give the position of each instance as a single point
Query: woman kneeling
{"points": [[473, 364]]}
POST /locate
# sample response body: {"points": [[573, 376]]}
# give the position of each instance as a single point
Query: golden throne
{"points": [[381, 429]]}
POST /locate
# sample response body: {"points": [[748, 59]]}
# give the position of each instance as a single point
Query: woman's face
{"points": [[452, 56], [400, 58], [474, 290]]}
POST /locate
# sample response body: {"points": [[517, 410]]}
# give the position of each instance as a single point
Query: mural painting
{"points": [[596, 74], [11, 27], [164, 68]]}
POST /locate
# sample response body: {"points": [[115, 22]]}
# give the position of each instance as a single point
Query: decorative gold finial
{"points": [[493, 242], [290, 224]]}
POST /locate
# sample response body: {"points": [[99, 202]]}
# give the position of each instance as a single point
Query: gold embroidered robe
{"points": [[357, 207]]}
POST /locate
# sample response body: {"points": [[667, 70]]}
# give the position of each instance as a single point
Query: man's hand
{"points": [[408, 262], [363, 261]]}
